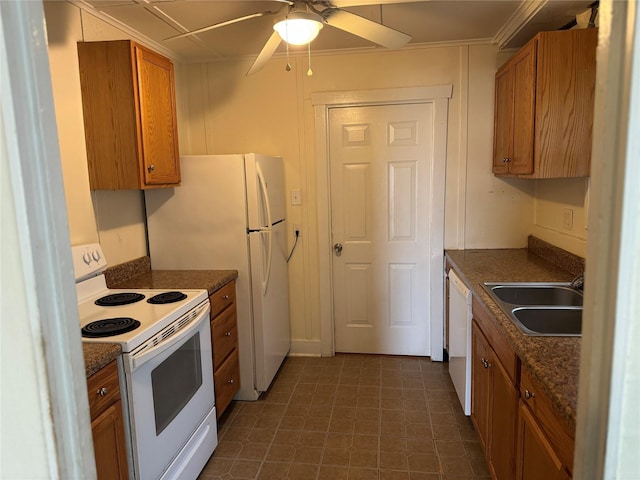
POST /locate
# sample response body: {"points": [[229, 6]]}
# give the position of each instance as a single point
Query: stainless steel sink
{"points": [[555, 321], [542, 309], [536, 293]]}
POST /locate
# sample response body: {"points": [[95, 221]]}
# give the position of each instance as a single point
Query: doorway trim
{"points": [[322, 103]]}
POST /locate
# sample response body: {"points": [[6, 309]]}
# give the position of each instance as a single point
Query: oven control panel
{"points": [[88, 260]]}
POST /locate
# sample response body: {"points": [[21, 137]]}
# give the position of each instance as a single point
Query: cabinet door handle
{"points": [[485, 364], [529, 395], [225, 297], [151, 168], [227, 334], [230, 381], [506, 160], [102, 391]]}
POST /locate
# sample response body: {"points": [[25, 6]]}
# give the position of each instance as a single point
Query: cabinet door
{"points": [[109, 444], [565, 92], [535, 457], [158, 125], [227, 382], [224, 335], [503, 424], [480, 385], [502, 133], [523, 66]]}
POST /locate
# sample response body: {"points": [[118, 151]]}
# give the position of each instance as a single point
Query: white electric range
{"points": [[166, 371]]}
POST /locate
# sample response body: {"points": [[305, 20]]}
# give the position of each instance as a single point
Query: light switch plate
{"points": [[296, 197]]}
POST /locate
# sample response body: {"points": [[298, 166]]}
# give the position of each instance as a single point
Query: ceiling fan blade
{"points": [[267, 51], [365, 28], [218, 25], [358, 3]]}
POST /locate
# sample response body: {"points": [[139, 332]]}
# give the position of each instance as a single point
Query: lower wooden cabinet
{"points": [[480, 385], [545, 441], [224, 343], [536, 457], [107, 426], [226, 379], [494, 407], [520, 433]]}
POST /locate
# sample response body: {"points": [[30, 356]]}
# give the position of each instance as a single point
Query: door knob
{"points": [[337, 248]]}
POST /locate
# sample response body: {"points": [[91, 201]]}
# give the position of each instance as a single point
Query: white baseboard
{"points": [[305, 348]]}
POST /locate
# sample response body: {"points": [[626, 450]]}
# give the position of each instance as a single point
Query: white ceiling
{"points": [[509, 23]]}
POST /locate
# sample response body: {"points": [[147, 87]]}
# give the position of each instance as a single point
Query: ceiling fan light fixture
{"points": [[299, 28]]}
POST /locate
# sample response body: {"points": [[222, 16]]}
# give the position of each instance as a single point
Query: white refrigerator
{"points": [[229, 214]]}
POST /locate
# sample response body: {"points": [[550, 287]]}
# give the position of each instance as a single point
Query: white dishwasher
{"points": [[460, 339]]}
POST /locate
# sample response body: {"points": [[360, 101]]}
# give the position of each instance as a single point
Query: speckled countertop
{"points": [[211, 280], [553, 361], [138, 274], [99, 355]]}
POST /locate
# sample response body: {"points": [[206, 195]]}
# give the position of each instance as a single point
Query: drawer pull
{"points": [[225, 297], [227, 334], [529, 395], [230, 381], [102, 391]]}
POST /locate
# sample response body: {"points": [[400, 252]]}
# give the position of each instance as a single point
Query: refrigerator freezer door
{"points": [[265, 190], [270, 291], [202, 224]]}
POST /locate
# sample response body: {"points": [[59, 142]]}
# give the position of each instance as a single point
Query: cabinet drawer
{"points": [[224, 335], [227, 382], [558, 431], [222, 298], [103, 389]]}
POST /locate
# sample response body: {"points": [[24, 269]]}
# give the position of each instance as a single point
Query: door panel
{"points": [[381, 159]]}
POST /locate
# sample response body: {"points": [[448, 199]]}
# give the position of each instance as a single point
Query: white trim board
{"points": [[55, 369]]}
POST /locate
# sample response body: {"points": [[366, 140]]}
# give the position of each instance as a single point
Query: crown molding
{"points": [[521, 17], [130, 32]]}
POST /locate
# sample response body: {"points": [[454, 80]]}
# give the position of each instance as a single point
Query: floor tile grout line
{"points": [[299, 376]]}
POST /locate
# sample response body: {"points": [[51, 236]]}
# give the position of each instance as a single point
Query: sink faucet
{"points": [[578, 282]]}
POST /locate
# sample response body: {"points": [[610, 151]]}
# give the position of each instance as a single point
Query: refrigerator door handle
{"points": [[263, 191], [267, 231], [267, 273]]}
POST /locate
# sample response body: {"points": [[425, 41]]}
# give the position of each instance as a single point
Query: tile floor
{"points": [[350, 417]]}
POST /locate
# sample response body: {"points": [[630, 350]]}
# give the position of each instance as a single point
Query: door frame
{"points": [[323, 102], [52, 401]]}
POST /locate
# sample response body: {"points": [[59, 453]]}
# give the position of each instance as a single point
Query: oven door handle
{"points": [[147, 351]]}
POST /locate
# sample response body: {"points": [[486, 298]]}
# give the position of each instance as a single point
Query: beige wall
{"points": [[113, 218], [221, 110], [64, 29], [554, 198], [271, 112]]}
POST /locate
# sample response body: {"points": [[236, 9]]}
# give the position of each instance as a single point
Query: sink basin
{"points": [[545, 309], [536, 294], [548, 320]]}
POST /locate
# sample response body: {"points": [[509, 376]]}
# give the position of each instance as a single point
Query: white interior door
{"points": [[381, 160]]}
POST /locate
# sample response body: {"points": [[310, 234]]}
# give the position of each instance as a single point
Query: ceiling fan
{"points": [[311, 16]]}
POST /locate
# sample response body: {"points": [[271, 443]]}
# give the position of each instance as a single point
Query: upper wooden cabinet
{"points": [[128, 100], [544, 97]]}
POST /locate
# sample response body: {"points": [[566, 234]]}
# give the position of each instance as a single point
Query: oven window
{"points": [[175, 381]]}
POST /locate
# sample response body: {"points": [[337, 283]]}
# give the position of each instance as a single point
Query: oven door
{"points": [[169, 393]]}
